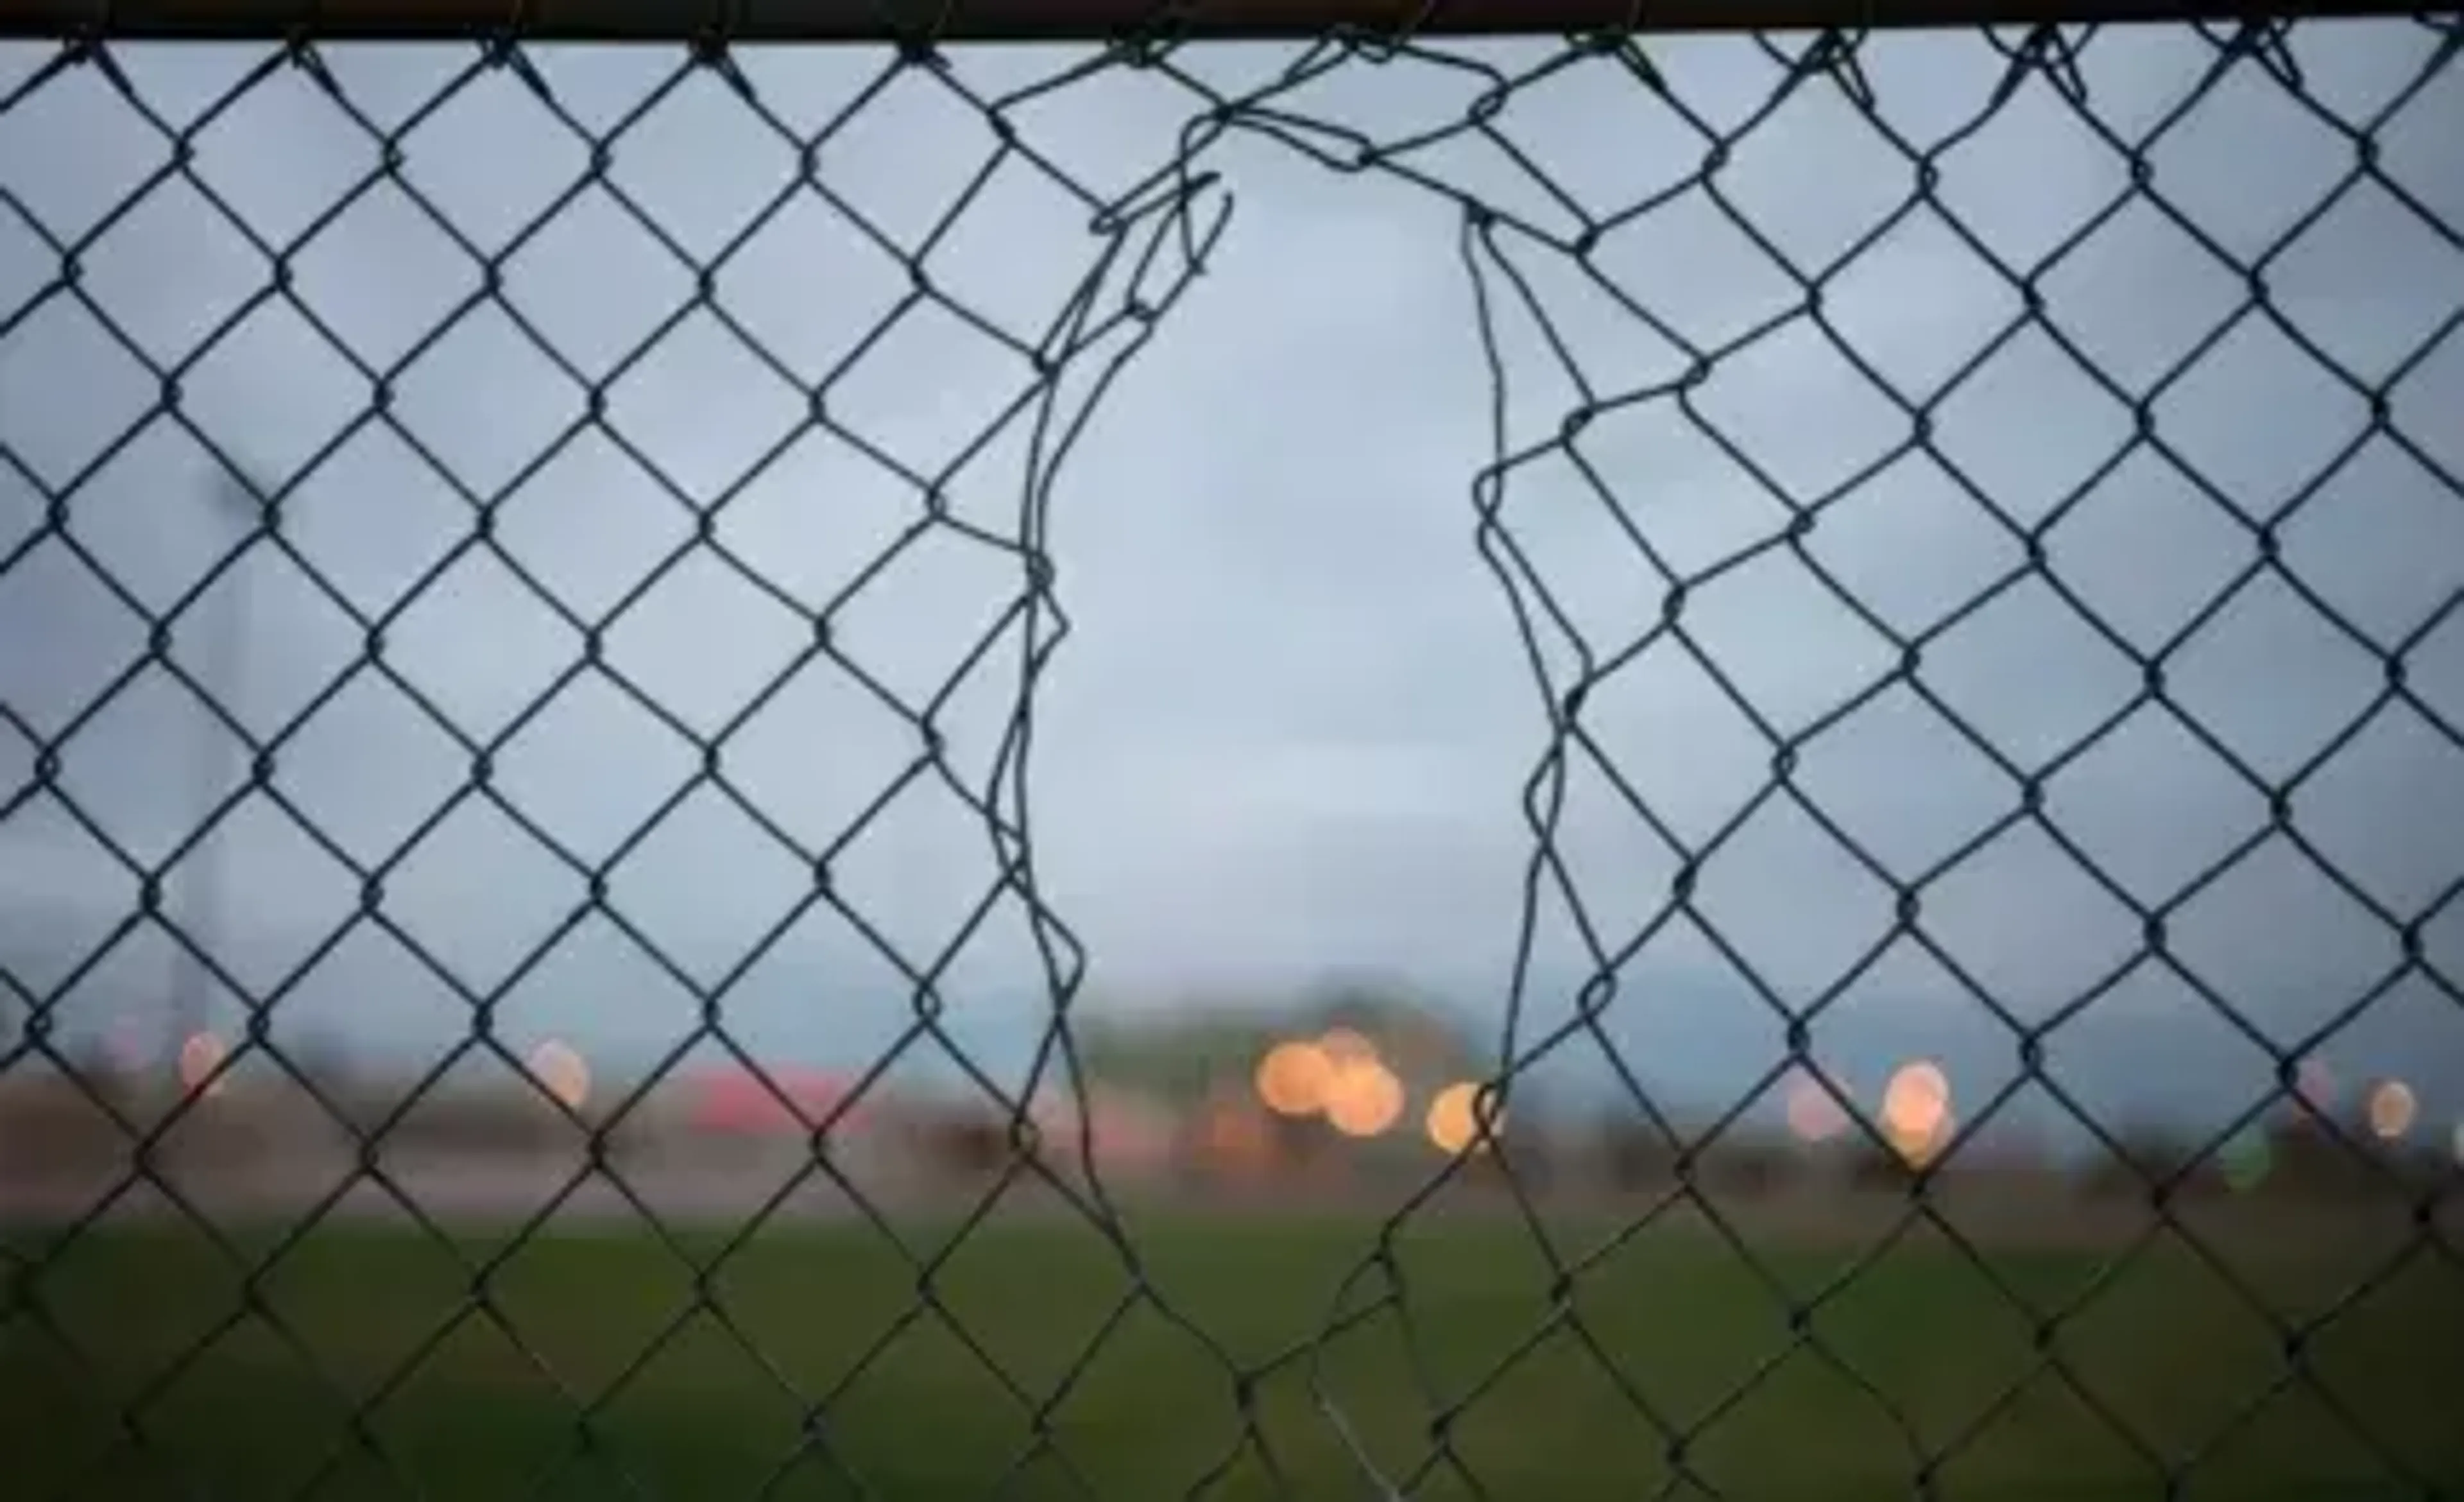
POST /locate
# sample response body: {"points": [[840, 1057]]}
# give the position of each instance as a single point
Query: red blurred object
{"points": [[739, 1101]]}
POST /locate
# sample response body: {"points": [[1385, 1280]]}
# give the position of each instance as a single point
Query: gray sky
{"points": [[1289, 731]]}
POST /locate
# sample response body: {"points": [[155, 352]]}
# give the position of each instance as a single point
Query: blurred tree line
{"points": [[2291, 1151], [1182, 1055]]}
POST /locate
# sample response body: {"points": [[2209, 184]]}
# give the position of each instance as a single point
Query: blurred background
{"points": [[481, 609], [1746, 779]]}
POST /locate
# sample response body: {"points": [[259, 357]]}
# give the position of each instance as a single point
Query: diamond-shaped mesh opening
{"points": [[2377, 1328], [880, 1401], [538, 957], [471, 1407]]}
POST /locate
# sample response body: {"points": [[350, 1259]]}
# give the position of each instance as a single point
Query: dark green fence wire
{"points": [[1154, 240]]}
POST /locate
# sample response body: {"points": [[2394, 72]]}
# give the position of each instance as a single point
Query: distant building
{"points": [[782, 1101]]}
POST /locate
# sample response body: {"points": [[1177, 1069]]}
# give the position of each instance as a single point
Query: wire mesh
{"points": [[1148, 245]]}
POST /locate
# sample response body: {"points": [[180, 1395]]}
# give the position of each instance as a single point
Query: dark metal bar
{"points": [[1057, 20]]}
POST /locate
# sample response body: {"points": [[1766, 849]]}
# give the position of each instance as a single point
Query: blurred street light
{"points": [[1343, 1048], [1453, 1120], [561, 1068], [1363, 1099], [1292, 1078], [1916, 1111], [2392, 1109]]}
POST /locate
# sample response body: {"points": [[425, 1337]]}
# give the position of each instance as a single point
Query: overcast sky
{"points": [[1289, 733]]}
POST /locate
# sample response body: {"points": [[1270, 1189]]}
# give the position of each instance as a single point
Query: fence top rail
{"points": [[1066, 20]]}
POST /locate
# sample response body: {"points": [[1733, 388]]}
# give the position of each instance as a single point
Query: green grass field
{"points": [[2165, 1348]]}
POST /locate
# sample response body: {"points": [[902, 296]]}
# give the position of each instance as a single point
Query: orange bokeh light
{"points": [[1453, 1120], [1916, 1110], [1293, 1078], [1344, 1047], [1919, 1144], [1363, 1099], [1921, 1085], [2392, 1110], [561, 1068]]}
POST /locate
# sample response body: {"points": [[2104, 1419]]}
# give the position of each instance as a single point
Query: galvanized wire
{"points": [[1154, 240]]}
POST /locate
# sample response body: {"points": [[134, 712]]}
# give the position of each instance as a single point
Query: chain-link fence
{"points": [[2004, 558]]}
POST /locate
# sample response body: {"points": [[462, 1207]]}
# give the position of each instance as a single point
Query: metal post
{"points": [[222, 667]]}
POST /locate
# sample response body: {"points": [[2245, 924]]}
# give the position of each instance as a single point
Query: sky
{"points": [[1295, 723]]}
